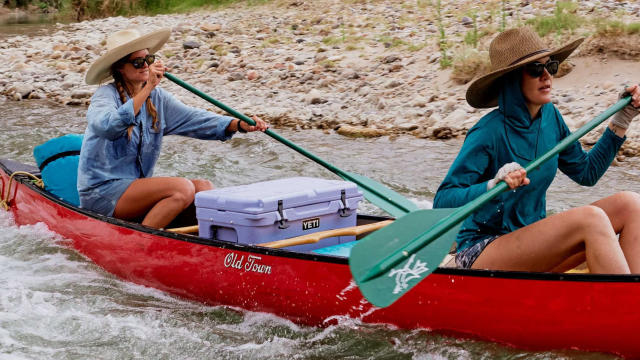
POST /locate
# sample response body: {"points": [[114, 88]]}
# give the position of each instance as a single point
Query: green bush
{"points": [[83, 9], [564, 18], [615, 27]]}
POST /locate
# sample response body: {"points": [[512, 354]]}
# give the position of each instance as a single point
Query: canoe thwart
{"points": [[184, 230], [317, 236]]}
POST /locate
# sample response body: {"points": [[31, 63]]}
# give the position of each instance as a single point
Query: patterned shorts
{"points": [[465, 258]]}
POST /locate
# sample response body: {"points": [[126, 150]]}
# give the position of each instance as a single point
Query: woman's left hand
{"points": [[621, 120], [260, 125], [634, 91]]}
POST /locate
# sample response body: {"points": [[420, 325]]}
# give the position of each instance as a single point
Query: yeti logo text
{"points": [[309, 224]]}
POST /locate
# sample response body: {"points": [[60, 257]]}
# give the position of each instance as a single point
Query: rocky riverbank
{"points": [[362, 68]]}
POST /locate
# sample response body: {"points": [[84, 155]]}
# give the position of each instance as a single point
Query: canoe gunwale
{"points": [[499, 274]]}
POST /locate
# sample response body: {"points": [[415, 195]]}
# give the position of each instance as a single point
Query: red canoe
{"points": [[537, 311]]}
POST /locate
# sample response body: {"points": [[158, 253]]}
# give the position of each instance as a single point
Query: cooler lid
{"points": [[263, 196]]}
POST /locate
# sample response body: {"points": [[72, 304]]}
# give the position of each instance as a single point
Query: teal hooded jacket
{"points": [[505, 135]]}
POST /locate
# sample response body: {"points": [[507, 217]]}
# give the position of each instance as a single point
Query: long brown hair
{"points": [[123, 88]]}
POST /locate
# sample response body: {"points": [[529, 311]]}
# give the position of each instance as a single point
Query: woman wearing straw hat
{"points": [[512, 232], [127, 119]]}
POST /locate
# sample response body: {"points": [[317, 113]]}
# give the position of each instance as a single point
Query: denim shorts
{"points": [[103, 199], [466, 257]]}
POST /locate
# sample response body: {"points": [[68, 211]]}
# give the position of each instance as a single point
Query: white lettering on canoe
{"points": [[252, 264], [407, 273]]}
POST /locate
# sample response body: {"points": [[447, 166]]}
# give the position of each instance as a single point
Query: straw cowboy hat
{"points": [[120, 44], [509, 50]]}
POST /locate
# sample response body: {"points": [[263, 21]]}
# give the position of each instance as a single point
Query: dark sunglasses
{"points": [[138, 63], [536, 69]]}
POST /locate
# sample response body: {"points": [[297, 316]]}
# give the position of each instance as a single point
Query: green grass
{"points": [[563, 19], [605, 27], [70, 9], [416, 47], [468, 64], [332, 40], [391, 41]]}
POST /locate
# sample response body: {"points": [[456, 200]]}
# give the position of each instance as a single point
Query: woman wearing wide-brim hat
{"points": [[127, 120], [512, 232]]}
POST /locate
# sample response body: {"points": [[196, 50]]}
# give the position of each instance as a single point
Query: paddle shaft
{"points": [[461, 213], [343, 174]]}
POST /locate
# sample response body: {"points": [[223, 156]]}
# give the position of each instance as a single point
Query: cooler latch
{"points": [[282, 223], [344, 212]]}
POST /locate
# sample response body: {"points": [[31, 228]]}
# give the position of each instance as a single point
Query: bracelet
{"points": [[240, 129]]}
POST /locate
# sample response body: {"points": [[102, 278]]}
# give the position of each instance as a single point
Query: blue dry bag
{"points": [[58, 163]]}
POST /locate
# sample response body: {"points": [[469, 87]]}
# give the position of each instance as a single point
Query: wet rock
{"points": [[358, 131], [81, 94], [35, 95], [395, 67], [73, 102], [235, 76], [564, 68], [351, 74], [456, 117], [407, 126], [419, 101], [390, 59], [252, 75], [188, 45], [306, 77], [443, 133], [23, 90], [393, 84], [210, 27], [315, 97]]}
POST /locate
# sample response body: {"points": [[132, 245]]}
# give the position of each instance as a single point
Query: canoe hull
{"points": [[527, 310]]}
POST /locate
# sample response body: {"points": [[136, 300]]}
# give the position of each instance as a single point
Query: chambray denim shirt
{"points": [[110, 161], [509, 134]]}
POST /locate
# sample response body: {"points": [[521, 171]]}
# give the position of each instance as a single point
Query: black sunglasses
{"points": [[138, 62], [536, 69]]}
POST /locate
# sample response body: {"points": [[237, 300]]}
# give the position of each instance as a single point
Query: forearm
{"points": [[451, 197], [233, 126], [619, 131]]}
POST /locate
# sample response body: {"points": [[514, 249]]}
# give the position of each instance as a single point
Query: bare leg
{"points": [[160, 198], [202, 185], [188, 216], [554, 242], [623, 210]]}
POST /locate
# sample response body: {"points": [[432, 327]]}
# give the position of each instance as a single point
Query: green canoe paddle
{"points": [[378, 194], [389, 262]]}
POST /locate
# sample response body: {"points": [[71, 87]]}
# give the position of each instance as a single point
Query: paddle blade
{"points": [[380, 195], [383, 290]]}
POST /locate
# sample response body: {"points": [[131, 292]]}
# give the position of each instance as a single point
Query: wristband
{"points": [[240, 129]]}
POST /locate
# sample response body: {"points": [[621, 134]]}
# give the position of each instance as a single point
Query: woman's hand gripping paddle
{"points": [[378, 194], [389, 262]]}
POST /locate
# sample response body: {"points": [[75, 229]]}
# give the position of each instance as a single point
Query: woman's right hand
{"points": [[513, 174], [156, 73]]}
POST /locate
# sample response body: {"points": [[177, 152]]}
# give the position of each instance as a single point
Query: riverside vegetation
{"points": [[362, 68]]}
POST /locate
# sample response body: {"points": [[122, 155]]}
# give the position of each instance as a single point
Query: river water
{"points": [[56, 304]]}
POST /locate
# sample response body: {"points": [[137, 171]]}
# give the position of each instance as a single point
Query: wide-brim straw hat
{"points": [[509, 50], [122, 43]]}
